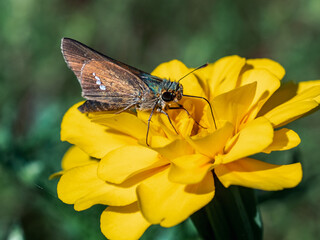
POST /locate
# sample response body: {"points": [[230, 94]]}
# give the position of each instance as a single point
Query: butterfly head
{"points": [[173, 93]]}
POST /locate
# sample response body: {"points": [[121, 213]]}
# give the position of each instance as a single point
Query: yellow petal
{"points": [[175, 70], [302, 86], [154, 125], [189, 169], [253, 173], [179, 118], [124, 122], [180, 121], [185, 124], [123, 223], [295, 107], [175, 149], [222, 75], [75, 157], [283, 139], [268, 64], [167, 203], [56, 175], [213, 143], [282, 95], [289, 112], [308, 93], [92, 138], [82, 187], [157, 141], [122, 163], [233, 105], [267, 84], [254, 138], [161, 125]]}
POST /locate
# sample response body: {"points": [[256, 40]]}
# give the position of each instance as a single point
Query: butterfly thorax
{"points": [[161, 92], [170, 92]]}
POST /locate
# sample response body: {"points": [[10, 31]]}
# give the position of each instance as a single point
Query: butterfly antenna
{"points": [[202, 66]]}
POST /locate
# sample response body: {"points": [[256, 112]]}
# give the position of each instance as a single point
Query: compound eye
{"points": [[168, 96]]}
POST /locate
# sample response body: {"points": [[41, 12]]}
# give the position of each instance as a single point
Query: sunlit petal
{"points": [[289, 112], [123, 223], [222, 75], [289, 91], [268, 64], [282, 95], [175, 70], [283, 139], [267, 84], [166, 203], [82, 187], [233, 105], [213, 143], [175, 149], [189, 169], [294, 108], [124, 122], [92, 138], [252, 173], [254, 138], [302, 86], [75, 157], [120, 164]]}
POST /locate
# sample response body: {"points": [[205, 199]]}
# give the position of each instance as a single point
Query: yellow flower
{"points": [[165, 183]]}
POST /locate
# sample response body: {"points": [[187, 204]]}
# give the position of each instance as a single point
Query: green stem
{"points": [[232, 214]]}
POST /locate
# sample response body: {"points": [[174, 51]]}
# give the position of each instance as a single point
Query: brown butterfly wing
{"points": [[103, 79]]}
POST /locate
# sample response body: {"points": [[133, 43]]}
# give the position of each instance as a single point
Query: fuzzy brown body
{"points": [[110, 85]]}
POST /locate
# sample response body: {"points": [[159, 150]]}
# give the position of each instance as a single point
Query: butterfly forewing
{"points": [[76, 54], [103, 79]]}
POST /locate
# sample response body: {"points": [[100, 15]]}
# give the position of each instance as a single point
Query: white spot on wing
{"points": [[102, 87], [97, 78]]}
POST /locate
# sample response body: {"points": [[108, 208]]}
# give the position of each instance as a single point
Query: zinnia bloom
{"points": [[166, 182]]}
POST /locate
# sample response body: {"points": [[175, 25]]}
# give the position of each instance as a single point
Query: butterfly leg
{"points": [[169, 120], [149, 120], [214, 121], [190, 116]]}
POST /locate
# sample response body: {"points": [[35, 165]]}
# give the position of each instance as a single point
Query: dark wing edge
{"points": [[96, 106]]}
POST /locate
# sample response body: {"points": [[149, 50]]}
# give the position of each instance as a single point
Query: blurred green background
{"points": [[36, 89]]}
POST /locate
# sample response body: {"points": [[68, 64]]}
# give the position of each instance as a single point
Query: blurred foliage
{"points": [[36, 88]]}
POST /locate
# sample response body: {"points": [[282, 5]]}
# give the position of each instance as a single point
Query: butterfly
{"points": [[110, 85]]}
